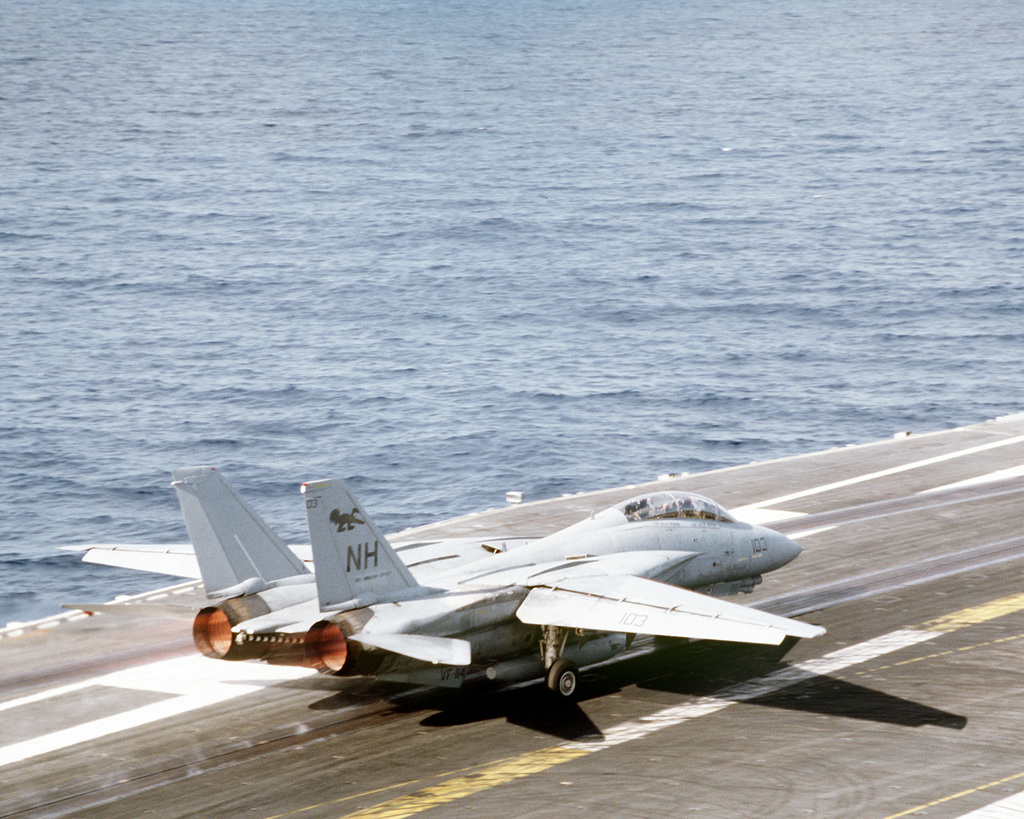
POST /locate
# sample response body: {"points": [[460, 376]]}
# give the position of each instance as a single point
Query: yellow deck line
{"points": [[951, 797], [523, 765], [976, 614]]}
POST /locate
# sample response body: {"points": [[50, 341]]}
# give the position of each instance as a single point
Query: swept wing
{"points": [[641, 606]]}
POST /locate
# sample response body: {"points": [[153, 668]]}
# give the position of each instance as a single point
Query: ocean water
{"points": [[448, 249]]}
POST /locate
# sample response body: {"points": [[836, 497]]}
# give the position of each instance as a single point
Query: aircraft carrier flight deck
{"points": [[913, 560]]}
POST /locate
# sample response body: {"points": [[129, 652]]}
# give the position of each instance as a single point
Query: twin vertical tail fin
{"points": [[355, 564], [237, 551]]}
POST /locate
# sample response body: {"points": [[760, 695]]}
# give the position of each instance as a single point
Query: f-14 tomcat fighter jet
{"points": [[655, 564]]}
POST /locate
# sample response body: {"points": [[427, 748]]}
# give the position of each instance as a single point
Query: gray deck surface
{"points": [[117, 717]]}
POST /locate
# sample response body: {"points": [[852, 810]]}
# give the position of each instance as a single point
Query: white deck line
{"points": [[828, 487], [991, 477], [191, 682], [1012, 807]]}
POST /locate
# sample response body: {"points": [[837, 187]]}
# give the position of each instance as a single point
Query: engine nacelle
{"points": [[212, 633]]}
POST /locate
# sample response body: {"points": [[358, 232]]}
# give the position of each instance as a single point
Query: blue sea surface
{"points": [[449, 249]]}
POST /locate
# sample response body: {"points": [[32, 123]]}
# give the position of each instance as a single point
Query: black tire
{"points": [[563, 679]]}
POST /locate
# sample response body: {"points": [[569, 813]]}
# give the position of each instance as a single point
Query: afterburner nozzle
{"points": [[326, 647]]}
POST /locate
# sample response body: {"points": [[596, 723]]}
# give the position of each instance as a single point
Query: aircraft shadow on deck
{"points": [[533, 707], [838, 698], [704, 669]]}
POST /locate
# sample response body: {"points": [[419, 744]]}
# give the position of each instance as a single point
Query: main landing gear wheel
{"points": [[562, 678]]}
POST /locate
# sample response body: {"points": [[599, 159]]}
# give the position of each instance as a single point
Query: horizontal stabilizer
{"points": [[436, 650], [177, 560], [163, 612], [639, 606]]}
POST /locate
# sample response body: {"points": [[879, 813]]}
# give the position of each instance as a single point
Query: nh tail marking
{"points": [[355, 564], [361, 555]]}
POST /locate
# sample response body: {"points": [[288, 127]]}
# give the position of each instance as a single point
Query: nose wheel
{"points": [[562, 678]]}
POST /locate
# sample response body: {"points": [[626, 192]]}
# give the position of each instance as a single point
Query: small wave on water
{"points": [[36, 587]]}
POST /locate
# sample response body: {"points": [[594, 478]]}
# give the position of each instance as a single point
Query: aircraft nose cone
{"points": [[785, 550]]}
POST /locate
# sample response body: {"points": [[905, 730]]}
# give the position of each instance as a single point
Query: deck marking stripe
{"points": [[991, 477], [951, 797], [47, 694], [828, 487], [976, 614], [870, 671], [521, 766], [96, 729], [1008, 808], [364, 794], [192, 682], [760, 515]]}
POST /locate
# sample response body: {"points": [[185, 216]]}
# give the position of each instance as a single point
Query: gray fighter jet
{"points": [[657, 564]]}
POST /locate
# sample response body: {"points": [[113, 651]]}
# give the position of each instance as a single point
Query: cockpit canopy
{"points": [[667, 505]]}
